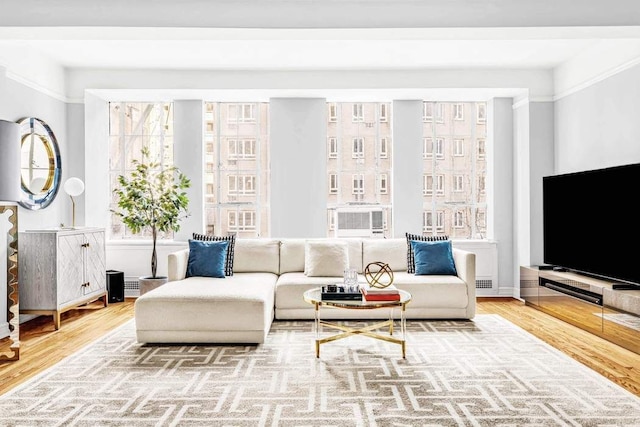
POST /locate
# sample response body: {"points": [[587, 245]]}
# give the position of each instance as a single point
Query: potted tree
{"points": [[152, 199]]}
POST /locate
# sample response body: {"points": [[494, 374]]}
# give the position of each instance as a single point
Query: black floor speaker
{"points": [[115, 286]]}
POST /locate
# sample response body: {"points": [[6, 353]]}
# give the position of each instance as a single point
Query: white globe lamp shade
{"points": [[74, 186]]}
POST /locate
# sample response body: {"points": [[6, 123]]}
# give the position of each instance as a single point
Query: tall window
{"points": [[458, 111], [384, 112], [358, 148], [383, 179], [358, 113], [358, 183], [333, 183], [132, 126], [384, 147], [359, 173], [333, 112], [241, 113], [333, 147], [237, 169], [458, 147], [454, 169]]}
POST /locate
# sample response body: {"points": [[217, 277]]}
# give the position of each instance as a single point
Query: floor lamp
{"points": [[9, 195]]}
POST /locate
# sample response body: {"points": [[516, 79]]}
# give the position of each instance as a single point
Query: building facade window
{"points": [[439, 147], [481, 149], [384, 112], [427, 111], [453, 177], [358, 183], [384, 147], [241, 220], [458, 111], [427, 148], [383, 180], [358, 113], [432, 221], [458, 183], [458, 219], [333, 147], [132, 126], [458, 147], [237, 183], [357, 151], [481, 116], [333, 112], [241, 113], [333, 183], [241, 184], [439, 108], [242, 149]]}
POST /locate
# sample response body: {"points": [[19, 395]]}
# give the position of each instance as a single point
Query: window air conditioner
{"points": [[359, 222]]}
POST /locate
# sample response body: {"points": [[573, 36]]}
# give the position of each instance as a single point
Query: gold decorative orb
{"points": [[378, 274]]}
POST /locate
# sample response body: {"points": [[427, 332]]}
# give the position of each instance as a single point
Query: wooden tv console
{"points": [[588, 303]]}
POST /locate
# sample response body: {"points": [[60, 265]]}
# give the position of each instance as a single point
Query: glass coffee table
{"points": [[313, 296]]}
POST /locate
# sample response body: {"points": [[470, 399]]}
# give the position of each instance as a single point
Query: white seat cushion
{"points": [[196, 306]]}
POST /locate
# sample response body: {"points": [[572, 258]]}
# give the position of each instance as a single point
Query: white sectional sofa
{"points": [[268, 282]]}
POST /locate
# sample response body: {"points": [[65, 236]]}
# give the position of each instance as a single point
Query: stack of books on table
{"points": [[390, 293], [339, 292]]}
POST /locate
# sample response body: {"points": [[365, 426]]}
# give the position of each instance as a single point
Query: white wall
{"points": [[18, 101], [598, 126]]}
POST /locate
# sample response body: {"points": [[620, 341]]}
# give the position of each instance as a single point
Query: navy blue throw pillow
{"points": [[207, 259], [433, 258]]}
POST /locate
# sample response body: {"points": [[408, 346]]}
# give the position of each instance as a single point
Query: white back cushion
{"points": [[325, 258], [257, 255], [389, 251], [292, 254]]}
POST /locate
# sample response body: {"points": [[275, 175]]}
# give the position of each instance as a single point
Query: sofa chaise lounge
{"points": [[268, 282]]}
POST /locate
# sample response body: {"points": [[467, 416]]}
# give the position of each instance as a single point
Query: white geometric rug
{"points": [[485, 372]]}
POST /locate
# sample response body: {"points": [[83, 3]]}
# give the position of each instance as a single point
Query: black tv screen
{"points": [[589, 218]]}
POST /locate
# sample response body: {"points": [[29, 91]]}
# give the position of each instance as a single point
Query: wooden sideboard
{"points": [[61, 269]]}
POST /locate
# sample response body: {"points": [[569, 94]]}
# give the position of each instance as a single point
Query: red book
{"points": [[382, 297]]}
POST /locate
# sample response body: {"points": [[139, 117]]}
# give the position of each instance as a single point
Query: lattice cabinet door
{"points": [[61, 269]]}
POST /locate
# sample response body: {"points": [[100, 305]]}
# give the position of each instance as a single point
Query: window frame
{"points": [[333, 183], [384, 147], [357, 142], [481, 113], [427, 111], [458, 219], [458, 183], [458, 111], [332, 142], [237, 228], [241, 116], [383, 183], [357, 113], [355, 178], [458, 147]]}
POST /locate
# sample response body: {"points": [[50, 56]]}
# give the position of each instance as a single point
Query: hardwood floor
{"points": [[42, 346]]}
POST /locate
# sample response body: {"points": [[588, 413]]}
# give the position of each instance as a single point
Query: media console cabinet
{"points": [[588, 303]]}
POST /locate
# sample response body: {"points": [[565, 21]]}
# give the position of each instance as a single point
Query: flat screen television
{"points": [[590, 220]]}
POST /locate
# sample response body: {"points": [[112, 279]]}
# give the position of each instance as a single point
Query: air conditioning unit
{"points": [[359, 222]]}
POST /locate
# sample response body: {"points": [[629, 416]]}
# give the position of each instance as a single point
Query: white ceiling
{"points": [[298, 49]]}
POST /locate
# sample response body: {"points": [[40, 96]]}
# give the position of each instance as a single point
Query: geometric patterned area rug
{"points": [[485, 372]]}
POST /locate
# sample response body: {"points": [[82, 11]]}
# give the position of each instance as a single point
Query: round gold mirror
{"points": [[39, 163]]}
